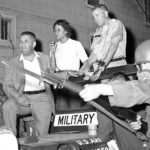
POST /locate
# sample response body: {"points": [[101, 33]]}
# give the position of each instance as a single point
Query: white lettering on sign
{"points": [[89, 141], [97, 144], [76, 119]]}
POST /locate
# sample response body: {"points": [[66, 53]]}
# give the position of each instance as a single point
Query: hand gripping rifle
{"points": [[56, 80]]}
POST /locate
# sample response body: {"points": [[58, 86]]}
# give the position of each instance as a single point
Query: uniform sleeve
{"points": [[115, 29], [130, 93]]}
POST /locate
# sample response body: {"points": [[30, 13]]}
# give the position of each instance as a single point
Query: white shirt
{"points": [[31, 83], [69, 54]]}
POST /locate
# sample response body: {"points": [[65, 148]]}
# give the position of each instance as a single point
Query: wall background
{"points": [[39, 15]]}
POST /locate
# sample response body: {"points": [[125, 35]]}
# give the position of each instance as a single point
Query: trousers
{"points": [[40, 108]]}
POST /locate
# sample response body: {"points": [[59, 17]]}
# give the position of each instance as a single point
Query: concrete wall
{"points": [[39, 16]]}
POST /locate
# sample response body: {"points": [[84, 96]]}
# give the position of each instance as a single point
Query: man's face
{"points": [[60, 32], [27, 44], [99, 16]]}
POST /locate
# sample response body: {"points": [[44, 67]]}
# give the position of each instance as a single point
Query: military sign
{"points": [[76, 119]]}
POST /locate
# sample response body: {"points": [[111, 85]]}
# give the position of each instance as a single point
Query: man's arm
{"points": [[10, 90], [8, 84], [125, 94], [112, 45], [93, 91], [130, 93]]}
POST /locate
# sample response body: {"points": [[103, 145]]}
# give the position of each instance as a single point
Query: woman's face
{"points": [[60, 32]]}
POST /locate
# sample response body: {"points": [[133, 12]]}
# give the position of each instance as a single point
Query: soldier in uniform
{"points": [[129, 93]]}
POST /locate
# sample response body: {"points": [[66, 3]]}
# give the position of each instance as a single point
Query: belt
{"points": [[34, 92], [117, 59]]}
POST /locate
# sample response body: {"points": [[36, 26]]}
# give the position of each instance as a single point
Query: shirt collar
{"points": [[36, 56]]}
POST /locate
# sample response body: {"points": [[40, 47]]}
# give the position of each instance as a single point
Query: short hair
{"points": [[31, 34], [65, 24], [101, 6]]}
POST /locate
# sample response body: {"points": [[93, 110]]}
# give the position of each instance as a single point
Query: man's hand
{"points": [[137, 124], [88, 75], [97, 74], [89, 72], [93, 91], [23, 101]]}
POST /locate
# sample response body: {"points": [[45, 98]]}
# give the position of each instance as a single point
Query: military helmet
{"points": [[142, 52]]}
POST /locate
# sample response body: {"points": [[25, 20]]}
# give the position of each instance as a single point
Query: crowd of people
{"points": [[27, 93]]}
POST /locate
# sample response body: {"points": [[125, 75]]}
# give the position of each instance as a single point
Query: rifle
{"points": [[128, 70], [123, 113], [56, 80]]}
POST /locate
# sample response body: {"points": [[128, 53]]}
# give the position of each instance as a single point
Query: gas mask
{"points": [[142, 60]]}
